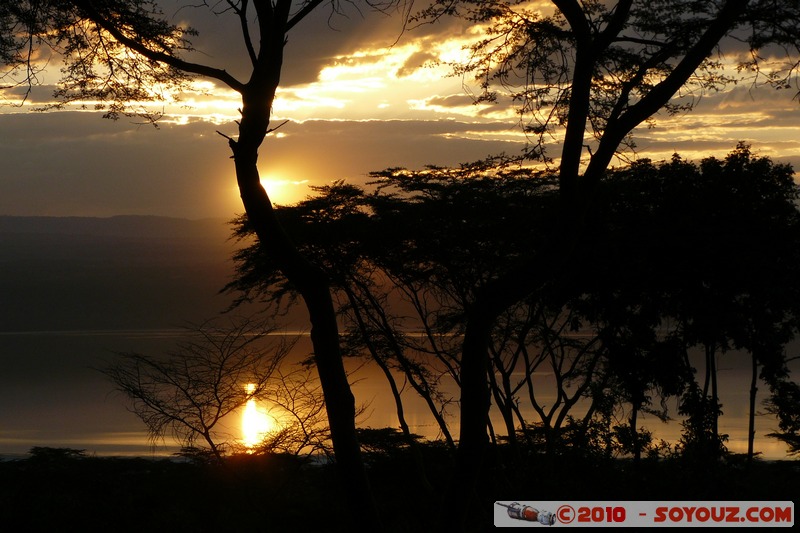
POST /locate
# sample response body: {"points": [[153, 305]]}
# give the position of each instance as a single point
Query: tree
{"points": [[663, 232], [784, 402], [297, 405], [687, 223], [123, 53], [616, 340], [600, 69], [191, 391]]}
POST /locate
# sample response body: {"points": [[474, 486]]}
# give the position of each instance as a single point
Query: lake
{"points": [[51, 394]]}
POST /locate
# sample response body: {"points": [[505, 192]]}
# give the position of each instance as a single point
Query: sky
{"points": [[359, 95]]}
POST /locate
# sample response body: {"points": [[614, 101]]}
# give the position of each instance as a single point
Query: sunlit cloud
{"points": [[365, 105], [509, 135], [374, 83]]}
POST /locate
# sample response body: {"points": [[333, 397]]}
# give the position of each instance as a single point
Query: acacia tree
{"points": [[122, 53], [587, 74]]}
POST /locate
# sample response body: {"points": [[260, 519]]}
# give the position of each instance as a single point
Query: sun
{"points": [[284, 191], [281, 191], [256, 423]]}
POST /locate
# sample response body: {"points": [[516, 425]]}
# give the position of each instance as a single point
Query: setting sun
{"points": [[284, 192], [256, 423]]}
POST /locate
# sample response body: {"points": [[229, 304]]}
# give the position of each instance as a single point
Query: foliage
{"points": [[784, 403], [387, 441], [52, 455], [100, 45], [699, 440]]}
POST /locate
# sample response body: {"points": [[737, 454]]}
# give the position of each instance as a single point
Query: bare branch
{"points": [[241, 12]]}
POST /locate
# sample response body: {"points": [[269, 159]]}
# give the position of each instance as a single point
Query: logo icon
{"points": [[528, 513]]}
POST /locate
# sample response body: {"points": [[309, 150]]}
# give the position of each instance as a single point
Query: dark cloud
{"points": [[452, 100], [36, 95], [415, 62]]}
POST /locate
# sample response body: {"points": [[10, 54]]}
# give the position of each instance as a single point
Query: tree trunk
{"points": [[709, 356], [637, 448], [473, 439], [312, 285], [710, 390], [421, 387], [504, 398], [214, 448], [620, 126], [714, 397], [576, 123], [419, 461], [751, 427]]}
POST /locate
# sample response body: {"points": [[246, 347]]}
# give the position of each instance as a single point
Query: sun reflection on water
{"points": [[256, 423]]}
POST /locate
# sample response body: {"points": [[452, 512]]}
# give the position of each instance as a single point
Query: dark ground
{"points": [[68, 492]]}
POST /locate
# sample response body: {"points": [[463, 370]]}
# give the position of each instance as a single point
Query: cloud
{"points": [[37, 95], [452, 100], [358, 99], [415, 62], [322, 151], [71, 163]]}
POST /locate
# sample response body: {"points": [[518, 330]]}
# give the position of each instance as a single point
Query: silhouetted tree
{"points": [[394, 274], [743, 213], [297, 405], [595, 69], [191, 391], [638, 363], [125, 53], [653, 244], [46, 454], [593, 72], [701, 440], [784, 403]]}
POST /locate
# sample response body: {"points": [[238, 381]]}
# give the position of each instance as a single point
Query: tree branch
{"points": [[574, 15], [192, 68], [300, 15], [248, 41], [616, 24], [666, 89]]}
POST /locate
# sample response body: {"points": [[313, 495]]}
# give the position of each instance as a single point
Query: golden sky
{"points": [[359, 97]]}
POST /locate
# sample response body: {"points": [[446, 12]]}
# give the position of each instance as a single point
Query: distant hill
{"points": [[125, 272], [123, 226]]}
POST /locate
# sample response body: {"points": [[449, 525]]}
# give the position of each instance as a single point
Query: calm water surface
{"points": [[52, 395]]}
